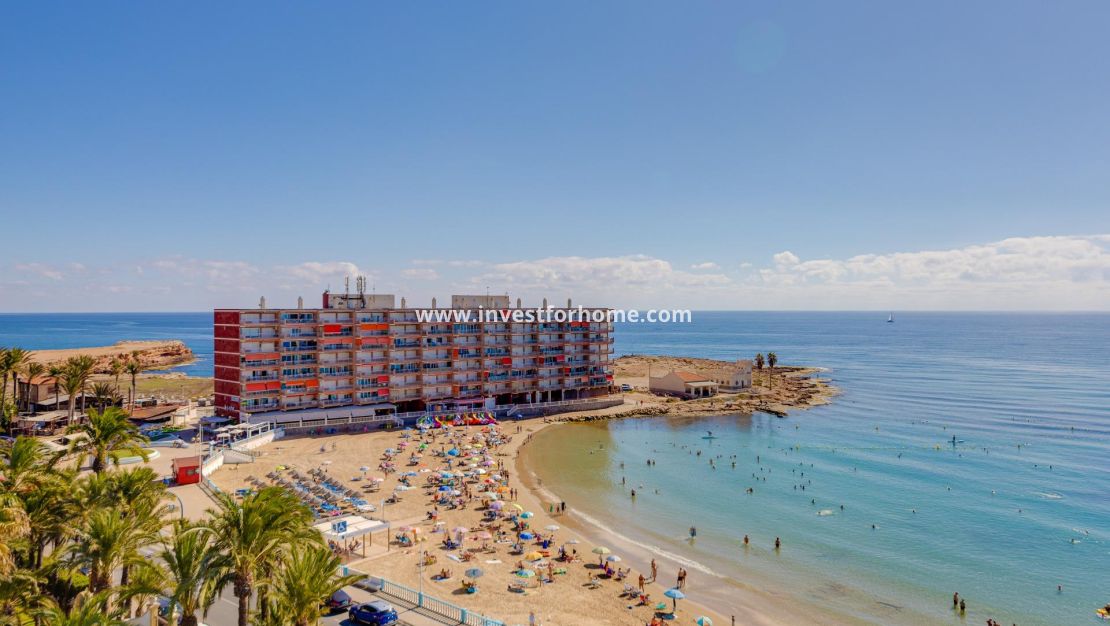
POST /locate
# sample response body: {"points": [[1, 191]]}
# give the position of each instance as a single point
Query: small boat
{"points": [[890, 319]]}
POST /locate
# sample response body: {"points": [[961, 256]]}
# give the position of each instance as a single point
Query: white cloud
{"points": [[1065, 272], [420, 273], [40, 269], [1031, 273], [785, 259], [315, 272], [618, 281]]}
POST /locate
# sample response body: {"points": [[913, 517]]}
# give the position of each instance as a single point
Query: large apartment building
{"points": [[360, 350]]}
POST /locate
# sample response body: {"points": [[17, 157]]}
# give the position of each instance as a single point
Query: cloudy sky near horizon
{"points": [[632, 153]]}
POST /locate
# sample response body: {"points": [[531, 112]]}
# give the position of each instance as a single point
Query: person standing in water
{"points": [[778, 543]]}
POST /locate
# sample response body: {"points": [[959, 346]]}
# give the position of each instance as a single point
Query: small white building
{"points": [[738, 377], [685, 384]]}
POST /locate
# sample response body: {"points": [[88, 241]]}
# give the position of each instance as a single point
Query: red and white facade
{"points": [[362, 351]]}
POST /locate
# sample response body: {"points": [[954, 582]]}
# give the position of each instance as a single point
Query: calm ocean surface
{"points": [[947, 517], [49, 331], [882, 449]]}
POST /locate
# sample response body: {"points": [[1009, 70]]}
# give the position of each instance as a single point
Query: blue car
{"points": [[376, 613]]}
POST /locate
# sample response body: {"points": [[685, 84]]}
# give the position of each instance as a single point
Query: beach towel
{"points": [[455, 558], [494, 561]]}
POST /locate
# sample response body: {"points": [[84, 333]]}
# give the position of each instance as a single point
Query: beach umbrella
{"points": [[497, 505], [378, 479], [474, 572], [612, 558], [551, 528], [571, 542], [533, 556], [364, 469], [703, 621], [602, 550], [446, 488], [526, 514], [402, 488], [675, 595], [490, 495], [484, 535], [517, 506], [525, 573], [456, 492], [460, 529]]}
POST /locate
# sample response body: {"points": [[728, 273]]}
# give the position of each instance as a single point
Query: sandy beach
{"points": [[567, 600]]}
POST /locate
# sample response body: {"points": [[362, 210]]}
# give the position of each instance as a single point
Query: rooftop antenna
{"points": [[347, 286]]}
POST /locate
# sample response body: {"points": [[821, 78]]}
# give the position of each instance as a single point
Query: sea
{"points": [[970, 452]]}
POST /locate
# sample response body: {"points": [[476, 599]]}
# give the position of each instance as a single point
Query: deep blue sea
{"points": [[48, 331], [1019, 505]]}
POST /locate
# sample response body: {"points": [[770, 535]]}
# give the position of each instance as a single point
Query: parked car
{"points": [[339, 601], [376, 613], [626, 387]]}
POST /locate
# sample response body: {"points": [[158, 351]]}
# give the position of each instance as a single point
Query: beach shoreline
{"points": [[718, 596]]}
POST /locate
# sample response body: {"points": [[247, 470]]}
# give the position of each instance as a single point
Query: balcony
{"points": [[299, 376], [259, 379]]}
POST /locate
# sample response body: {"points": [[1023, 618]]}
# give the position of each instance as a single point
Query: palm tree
{"points": [[33, 370], [140, 495], [759, 361], [105, 543], [70, 382], [133, 369], [14, 527], [116, 369], [12, 362], [107, 434], [255, 532], [74, 379], [84, 366], [55, 372], [309, 576], [90, 612], [772, 359], [105, 394], [196, 570]]}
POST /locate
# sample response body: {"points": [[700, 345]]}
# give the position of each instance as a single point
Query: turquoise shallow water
{"points": [[1001, 524]]}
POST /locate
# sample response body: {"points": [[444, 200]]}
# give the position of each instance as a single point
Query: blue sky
{"points": [[176, 155]]}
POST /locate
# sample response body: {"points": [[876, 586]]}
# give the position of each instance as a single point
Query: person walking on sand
{"points": [[654, 570], [642, 581], [532, 618]]}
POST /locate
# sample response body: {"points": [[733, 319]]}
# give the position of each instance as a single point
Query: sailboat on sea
{"points": [[890, 320]]}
